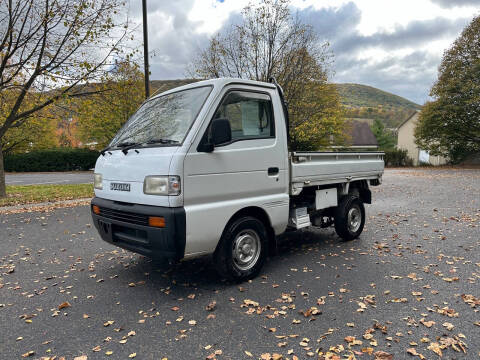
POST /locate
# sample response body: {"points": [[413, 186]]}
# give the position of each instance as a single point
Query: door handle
{"points": [[272, 171]]}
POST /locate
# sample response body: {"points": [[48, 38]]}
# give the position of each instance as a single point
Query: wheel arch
{"points": [[258, 213], [360, 187]]}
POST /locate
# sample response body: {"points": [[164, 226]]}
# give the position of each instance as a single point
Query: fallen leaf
{"points": [[382, 355], [428, 324], [448, 326], [64, 305], [132, 355], [211, 306], [435, 347], [413, 351]]}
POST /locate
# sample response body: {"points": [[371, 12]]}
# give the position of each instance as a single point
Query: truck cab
{"points": [[205, 169]]}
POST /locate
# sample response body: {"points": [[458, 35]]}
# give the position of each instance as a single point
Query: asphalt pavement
{"points": [[409, 285], [74, 177]]}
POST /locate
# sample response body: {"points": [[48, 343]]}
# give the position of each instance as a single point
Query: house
{"points": [[406, 141], [360, 136]]}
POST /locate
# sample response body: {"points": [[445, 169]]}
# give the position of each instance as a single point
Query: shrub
{"points": [[52, 160], [397, 157]]}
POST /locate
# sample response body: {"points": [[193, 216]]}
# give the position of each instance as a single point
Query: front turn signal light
{"points": [[96, 209], [156, 221]]}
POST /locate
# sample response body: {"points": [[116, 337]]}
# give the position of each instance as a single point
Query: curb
{"points": [[44, 206]]}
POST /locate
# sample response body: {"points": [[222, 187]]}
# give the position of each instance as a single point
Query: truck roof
{"points": [[219, 82]]}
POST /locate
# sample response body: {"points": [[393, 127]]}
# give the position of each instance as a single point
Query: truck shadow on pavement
{"points": [[292, 248]]}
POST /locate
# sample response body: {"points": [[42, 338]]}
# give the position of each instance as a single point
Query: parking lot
{"points": [[409, 287]]}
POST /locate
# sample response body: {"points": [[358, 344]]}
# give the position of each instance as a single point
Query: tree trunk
{"points": [[3, 192]]}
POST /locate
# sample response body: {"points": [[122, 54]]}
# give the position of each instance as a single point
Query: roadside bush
{"points": [[397, 157], [52, 160]]}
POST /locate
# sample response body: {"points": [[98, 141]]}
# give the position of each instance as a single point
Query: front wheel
{"points": [[349, 217], [242, 249]]}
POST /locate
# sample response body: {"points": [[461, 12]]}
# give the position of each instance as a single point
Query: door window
{"points": [[250, 115]]}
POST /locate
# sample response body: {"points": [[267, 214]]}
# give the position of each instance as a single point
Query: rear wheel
{"points": [[242, 249], [349, 218]]}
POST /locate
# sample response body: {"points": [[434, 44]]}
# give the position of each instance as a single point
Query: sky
{"points": [[394, 45]]}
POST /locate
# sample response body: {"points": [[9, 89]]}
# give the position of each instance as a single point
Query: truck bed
{"points": [[321, 168]]}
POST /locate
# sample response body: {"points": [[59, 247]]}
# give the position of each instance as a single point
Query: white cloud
{"points": [[394, 45]]}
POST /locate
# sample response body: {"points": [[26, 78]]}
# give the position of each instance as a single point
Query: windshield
{"points": [[165, 119]]}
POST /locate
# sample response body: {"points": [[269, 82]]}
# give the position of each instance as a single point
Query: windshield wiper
{"points": [[105, 150], [127, 145], [162, 141]]}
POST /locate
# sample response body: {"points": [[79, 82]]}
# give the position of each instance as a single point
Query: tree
{"points": [[386, 140], [450, 124], [270, 42], [49, 50], [100, 116], [37, 133]]}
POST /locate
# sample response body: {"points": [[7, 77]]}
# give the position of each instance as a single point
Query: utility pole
{"points": [[145, 49]]}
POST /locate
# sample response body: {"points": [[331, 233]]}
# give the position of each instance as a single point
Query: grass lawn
{"points": [[30, 194]]}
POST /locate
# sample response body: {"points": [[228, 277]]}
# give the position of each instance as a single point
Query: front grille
{"points": [[124, 216]]}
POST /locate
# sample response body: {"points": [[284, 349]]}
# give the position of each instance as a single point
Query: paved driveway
{"points": [[76, 177], [410, 283]]}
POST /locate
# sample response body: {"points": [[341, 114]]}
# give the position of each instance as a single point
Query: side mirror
{"points": [[220, 133]]}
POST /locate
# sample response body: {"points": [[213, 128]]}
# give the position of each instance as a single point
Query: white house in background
{"points": [[406, 141]]}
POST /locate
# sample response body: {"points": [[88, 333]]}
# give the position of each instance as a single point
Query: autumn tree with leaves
{"points": [[100, 116], [37, 133], [450, 124], [50, 50], [271, 42]]}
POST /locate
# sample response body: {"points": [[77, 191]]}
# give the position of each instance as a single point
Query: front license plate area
{"points": [[105, 229]]}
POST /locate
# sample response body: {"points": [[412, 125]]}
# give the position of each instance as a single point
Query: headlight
{"points": [[161, 185], [97, 181]]}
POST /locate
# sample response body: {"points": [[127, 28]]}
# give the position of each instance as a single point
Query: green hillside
{"points": [[367, 102], [358, 95]]}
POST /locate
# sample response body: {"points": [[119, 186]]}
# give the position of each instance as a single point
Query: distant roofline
{"points": [[408, 119]]}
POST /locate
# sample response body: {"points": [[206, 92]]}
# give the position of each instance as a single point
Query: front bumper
{"points": [[126, 225]]}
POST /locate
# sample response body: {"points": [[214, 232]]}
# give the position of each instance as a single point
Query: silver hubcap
{"points": [[246, 249], [354, 219]]}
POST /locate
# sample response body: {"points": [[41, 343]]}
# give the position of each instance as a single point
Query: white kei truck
{"points": [[204, 169]]}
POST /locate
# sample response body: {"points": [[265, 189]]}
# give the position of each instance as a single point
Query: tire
{"points": [[349, 218], [241, 252]]}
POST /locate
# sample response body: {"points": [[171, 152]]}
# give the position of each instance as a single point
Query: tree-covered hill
{"points": [[367, 102], [363, 95]]}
